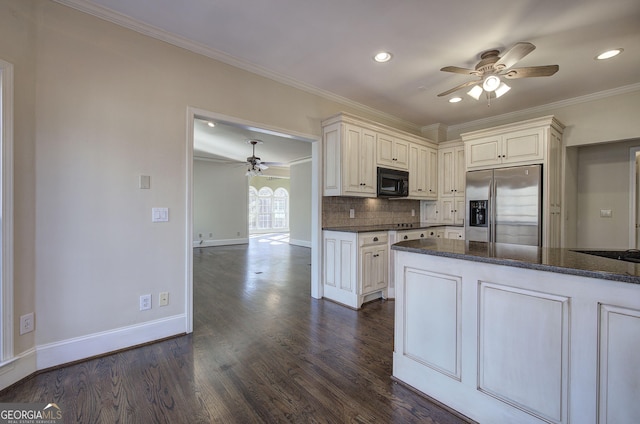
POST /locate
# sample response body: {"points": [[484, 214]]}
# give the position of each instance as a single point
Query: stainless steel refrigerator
{"points": [[505, 205]]}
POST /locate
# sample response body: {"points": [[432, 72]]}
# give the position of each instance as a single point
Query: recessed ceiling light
{"points": [[211, 124], [455, 99], [382, 57], [609, 54]]}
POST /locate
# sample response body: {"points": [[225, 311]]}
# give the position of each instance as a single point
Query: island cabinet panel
{"points": [[507, 344], [619, 365], [434, 299], [523, 349]]}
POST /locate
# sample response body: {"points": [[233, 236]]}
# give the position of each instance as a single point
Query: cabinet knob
{"points": [[375, 239], [422, 235], [406, 237]]}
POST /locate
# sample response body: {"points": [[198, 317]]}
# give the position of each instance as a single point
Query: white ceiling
{"points": [[327, 46]]}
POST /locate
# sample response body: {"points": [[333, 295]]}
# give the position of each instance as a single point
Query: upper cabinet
{"points": [[353, 149], [423, 172], [349, 166], [534, 141], [392, 152], [515, 144]]}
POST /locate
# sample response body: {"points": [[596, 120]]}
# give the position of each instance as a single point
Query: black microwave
{"points": [[393, 183]]}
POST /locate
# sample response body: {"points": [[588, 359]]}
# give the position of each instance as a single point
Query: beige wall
{"points": [[604, 183], [96, 105], [220, 195]]}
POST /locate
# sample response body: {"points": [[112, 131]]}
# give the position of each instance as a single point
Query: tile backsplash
{"points": [[368, 211]]}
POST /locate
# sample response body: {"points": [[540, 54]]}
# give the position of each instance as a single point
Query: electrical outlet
{"points": [[163, 299], [145, 302], [352, 213], [26, 323]]}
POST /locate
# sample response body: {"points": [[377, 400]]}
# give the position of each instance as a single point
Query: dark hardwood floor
{"points": [[262, 351]]}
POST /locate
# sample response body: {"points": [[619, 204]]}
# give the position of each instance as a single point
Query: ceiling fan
{"points": [[493, 67], [255, 164]]}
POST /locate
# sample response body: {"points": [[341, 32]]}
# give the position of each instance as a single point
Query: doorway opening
{"points": [[233, 165]]}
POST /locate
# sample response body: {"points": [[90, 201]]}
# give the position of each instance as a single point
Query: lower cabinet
{"points": [[355, 266]]}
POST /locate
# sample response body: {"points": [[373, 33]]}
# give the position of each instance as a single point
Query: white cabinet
{"points": [[353, 148], [451, 180], [393, 152], [451, 210], [517, 147], [355, 266], [349, 166], [534, 141], [423, 172], [452, 171]]}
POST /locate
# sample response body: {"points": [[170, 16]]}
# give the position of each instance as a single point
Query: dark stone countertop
{"points": [[388, 227], [562, 261]]}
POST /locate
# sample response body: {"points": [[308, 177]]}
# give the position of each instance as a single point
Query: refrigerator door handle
{"points": [[492, 212]]}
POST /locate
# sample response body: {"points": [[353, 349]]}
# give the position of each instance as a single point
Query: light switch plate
{"points": [[159, 214], [145, 182], [605, 213]]}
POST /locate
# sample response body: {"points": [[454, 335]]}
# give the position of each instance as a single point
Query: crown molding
{"points": [[516, 115], [128, 22]]}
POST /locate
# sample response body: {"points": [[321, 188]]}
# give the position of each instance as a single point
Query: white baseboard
{"points": [[58, 353], [17, 368], [302, 243], [208, 243]]}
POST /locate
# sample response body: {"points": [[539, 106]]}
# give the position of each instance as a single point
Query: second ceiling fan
{"points": [[492, 67]]}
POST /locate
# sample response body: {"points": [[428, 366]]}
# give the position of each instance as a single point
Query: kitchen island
{"points": [[518, 334]]}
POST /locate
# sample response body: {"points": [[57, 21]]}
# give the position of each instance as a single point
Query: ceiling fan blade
{"points": [[532, 71], [513, 55], [458, 87], [457, 70], [262, 166]]}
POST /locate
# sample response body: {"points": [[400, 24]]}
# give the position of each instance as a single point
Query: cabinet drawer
{"points": [[372, 238]]}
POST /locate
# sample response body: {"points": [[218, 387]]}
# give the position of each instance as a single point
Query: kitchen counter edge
{"points": [[558, 260]]}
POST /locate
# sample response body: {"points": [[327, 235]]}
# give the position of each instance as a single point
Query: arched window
{"points": [[268, 209]]}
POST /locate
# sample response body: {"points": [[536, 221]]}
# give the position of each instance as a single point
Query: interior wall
{"points": [[18, 35], [111, 106], [300, 204], [603, 184], [220, 194]]}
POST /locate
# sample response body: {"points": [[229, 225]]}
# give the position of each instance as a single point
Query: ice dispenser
{"points": [[478, 213]]}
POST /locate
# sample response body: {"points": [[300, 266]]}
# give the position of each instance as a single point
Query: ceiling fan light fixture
{"points": [[502, 89], [475, 92], [491, 83], [382, 57], [609, 54]]}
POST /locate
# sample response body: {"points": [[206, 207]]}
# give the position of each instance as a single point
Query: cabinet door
{"points": [[447, 210], [460, 171], [430, 212], [483, 152], [384, 145], [368, 162], [351, 181], [373, 275], [401, 154], [416, 186], [454, 233], [331, 144], [446, 164], [432, 173], [392, 152], [523, 146], [381, 263]]}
